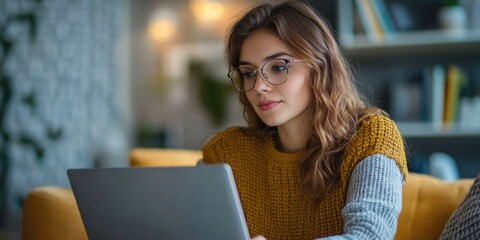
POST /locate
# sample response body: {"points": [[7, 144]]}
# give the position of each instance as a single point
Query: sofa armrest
{"points": [[428, 203], [51, 213]]}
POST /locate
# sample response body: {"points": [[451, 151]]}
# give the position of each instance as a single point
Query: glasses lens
{"points": [[276, 71], [242, 78]]}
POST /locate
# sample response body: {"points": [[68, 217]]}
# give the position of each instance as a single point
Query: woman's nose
{"points": [[262, 85]]}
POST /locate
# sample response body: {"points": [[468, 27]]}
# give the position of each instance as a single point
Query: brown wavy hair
{"points": [[336, 105]]}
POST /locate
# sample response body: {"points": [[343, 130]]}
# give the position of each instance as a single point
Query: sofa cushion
{"points": [[52, 213], [427, 205]]}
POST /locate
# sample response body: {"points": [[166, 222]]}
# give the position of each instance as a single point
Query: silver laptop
{"points": [[159, 203]]}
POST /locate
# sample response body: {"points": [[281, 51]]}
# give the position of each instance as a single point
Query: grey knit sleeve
{"points": [[374, 200]]}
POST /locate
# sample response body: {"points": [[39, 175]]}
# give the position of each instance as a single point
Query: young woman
{"points": [[315, 160]]}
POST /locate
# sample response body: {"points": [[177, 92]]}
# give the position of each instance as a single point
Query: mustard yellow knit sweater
{"points": [[267, 179]]}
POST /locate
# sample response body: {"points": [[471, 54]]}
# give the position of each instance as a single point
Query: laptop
{"points": [[199, 202]]}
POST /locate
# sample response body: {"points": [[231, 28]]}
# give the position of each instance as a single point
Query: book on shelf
{"points": [[427, 94], [357, 24], [384, 19], [404, 99], [443, 89], [369, 21], [439, 97], [454, 81], [403, 18], [436, 84], [375, 20]]}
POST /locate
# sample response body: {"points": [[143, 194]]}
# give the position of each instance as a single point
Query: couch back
{"points": [[51, 213], [155, 157], [428, 202]]}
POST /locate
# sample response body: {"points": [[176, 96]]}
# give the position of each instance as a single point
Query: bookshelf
{"points": [[424, 40], [396, 68], [428, 130]]}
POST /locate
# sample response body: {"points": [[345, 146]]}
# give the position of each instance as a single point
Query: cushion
{"points": [[154, 157], [51, 213], [428, 203]]}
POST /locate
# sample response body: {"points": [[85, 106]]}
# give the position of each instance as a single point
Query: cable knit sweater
{"points": [[267, 179]]}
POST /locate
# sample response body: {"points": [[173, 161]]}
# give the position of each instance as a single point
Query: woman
{"points": [[315, 160]]}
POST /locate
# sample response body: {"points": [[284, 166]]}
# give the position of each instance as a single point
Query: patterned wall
{"points": [[77, 67]]}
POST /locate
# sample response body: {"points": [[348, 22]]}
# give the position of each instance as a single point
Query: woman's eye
{"points": [[248, 75], [279, 68]]}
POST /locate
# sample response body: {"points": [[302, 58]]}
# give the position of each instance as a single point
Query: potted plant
{"points": [[453, 17]]}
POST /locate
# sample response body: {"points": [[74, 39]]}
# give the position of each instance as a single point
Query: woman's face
{"points": [[277, 105]]}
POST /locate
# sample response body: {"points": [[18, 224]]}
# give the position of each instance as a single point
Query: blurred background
{"points": [[83, 82]]}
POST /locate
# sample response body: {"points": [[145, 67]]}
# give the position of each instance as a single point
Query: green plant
{"points": [[213, 92], [7, 94], [451, 2]]}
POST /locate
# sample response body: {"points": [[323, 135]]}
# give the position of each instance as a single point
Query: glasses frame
{"points": [[287, 61]]}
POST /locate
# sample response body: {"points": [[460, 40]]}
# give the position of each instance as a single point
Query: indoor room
{"points": [[146, 83]]}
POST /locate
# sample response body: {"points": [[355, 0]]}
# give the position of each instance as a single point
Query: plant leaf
{"points": [[32, 143], [31, 20], [30, 101], [4, 164], [5, 96], [6, 46], [54, 134]]}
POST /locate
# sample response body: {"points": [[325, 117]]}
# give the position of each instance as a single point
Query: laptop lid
{"points": [[159, 203]]}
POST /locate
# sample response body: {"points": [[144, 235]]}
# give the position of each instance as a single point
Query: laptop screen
{"points": [[159, 203]]}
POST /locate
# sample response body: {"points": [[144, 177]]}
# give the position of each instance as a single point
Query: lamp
{"points": [[163, 25], [207, 11]]}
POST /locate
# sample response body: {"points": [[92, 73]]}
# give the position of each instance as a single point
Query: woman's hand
{"points": [[260, 237]]}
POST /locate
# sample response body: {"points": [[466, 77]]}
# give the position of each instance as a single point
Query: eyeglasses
{"points": [[274, 71]]}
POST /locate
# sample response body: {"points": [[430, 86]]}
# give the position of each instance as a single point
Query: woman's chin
{"points": [[271, 122]]}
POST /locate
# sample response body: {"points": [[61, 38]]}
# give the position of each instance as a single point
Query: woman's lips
{"points": [[267, 105]]}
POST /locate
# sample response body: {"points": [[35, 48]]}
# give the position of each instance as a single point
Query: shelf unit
{"points": [[428, 130], [427, 41], [350, 39], [374, 62], [437, 43], [424, 42]]}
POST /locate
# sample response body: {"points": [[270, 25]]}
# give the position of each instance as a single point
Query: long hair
{"points": [[336, 105]]}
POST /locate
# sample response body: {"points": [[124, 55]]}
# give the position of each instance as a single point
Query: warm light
{"points": [[163, 26], [207, 11], [162, 30], [212, 11]]}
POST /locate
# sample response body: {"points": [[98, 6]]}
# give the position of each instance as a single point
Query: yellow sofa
{"points": [[51, 212]]}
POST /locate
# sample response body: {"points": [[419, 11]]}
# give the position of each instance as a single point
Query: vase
{"points": [[453, 18]]}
